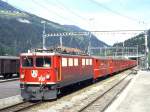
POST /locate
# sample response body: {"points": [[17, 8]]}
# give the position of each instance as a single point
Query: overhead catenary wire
{"points": [[55, 34], [70, 10], [54, 12], [115, 12]]}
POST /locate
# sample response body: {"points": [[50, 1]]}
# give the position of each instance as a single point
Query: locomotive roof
{"points": [[37, 53], [9, 57], [45, 53], [52, 54]]}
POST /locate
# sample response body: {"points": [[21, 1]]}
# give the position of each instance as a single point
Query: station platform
{"points": [[136, 97]]}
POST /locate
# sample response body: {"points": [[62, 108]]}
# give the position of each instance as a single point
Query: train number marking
{"points": [[41, 78], [34, 73]]}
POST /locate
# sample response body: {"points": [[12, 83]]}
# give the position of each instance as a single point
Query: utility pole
{"points": [[146, 45], [137, 51], [116, 50], [61, 35], [105, 51], [43, 35], [61, 44], [90, 35], [89, 47], [122, 49], [146, 50]]}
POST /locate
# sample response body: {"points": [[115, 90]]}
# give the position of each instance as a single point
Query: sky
{"points": [[93, 15]]}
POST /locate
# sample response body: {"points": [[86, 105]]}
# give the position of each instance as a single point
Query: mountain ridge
{"points": [[20, 31]]}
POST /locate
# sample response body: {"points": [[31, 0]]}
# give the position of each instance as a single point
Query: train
{"points": [[43, 74], [9, 65]]}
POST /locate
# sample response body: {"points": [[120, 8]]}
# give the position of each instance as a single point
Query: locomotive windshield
{"points": [[27, 61], [43, 62]]}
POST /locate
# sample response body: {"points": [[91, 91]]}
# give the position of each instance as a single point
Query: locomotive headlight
{"points": [[47, 76], [22, 76]]}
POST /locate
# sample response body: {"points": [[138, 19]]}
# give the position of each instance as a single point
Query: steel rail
{"points": [[20, 106], [116, 95], [99, 97]]}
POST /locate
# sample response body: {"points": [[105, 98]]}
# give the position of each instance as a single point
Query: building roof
{"points": [[9, 57]]}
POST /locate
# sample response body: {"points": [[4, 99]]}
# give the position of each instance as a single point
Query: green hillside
{"points": [[137, 40], [20, 31]]}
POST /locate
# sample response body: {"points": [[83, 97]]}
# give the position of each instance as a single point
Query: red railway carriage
{"points": [[42, 74], [48, 72], [102, 67]]}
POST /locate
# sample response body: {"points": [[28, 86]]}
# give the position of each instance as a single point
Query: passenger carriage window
{"points": [[90, 61], [76, 63], [43, 62], [64, 62], [83, 61], [70, 62], [87, 61], [102, 63], [27, 61]]}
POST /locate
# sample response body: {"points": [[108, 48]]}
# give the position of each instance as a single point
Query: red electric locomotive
{"points": [[43, 73]]}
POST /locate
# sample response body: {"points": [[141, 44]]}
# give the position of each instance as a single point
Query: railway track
{"points": [[19, 107], [100, 103], [78, 100], [8, 80], [101, 99]]}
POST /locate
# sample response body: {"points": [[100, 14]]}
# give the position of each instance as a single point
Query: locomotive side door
{"points": [[111, 66], [96, 68], [58, 68]]}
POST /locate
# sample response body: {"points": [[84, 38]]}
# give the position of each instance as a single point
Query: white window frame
{"points": [[70, 61], [76, 62], [87, 61], [64, 62], [90, 61], [83, 62]]}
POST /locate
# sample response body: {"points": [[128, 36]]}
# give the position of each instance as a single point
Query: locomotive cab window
{"points": [[27, 61], [43, 62]]}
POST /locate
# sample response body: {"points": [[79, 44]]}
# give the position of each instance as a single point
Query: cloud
{"points": [[110, 22]]}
